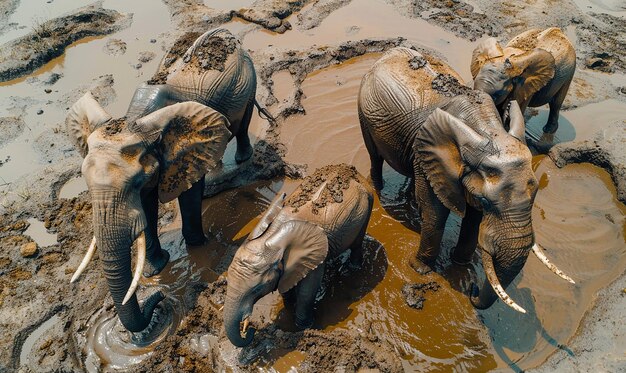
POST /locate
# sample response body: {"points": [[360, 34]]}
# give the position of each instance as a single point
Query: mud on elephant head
{"points": [[535, 68], [126, 165], [290, 246], [416, 115]]}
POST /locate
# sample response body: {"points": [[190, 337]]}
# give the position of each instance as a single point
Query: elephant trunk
{"points": [[235, 312], [503, 258], [496, 281], [115, 229]]}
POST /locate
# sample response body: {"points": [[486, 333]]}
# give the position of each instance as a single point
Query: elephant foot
{"points": [[155, 265], [378, 183], [161, 320], [460, 259], [304, 324], [420, 267], [475, 296], [196, 239], [243, 153], [550, 128]]}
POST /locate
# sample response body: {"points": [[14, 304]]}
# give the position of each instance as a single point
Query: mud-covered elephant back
{"points": [[336, 191], [404, 78], [209, 68]]}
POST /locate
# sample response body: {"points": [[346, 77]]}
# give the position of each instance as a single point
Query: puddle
{"points": [[37, 231], [73, 187], [35, 335], [363, 19], [283, 87], [331, 119], [449, 332], [81, 63]]}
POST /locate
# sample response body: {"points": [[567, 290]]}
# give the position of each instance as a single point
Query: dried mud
{"points": [[49, 39], [364, 322]]}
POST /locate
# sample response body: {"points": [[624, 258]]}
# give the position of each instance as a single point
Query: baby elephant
{"points": [[535, 68], [325, 216]]}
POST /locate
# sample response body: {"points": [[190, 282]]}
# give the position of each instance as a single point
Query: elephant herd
{"points": [[463, 148]]}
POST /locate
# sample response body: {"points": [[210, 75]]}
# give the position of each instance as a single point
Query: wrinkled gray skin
{"points": [[288, 250], [171, 136], [453, 144], [535, 68]]}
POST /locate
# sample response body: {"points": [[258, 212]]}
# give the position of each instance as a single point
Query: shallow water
{"points": [[38, 232]]}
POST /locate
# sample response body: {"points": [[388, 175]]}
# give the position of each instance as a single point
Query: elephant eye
{"points": [[485, 203]]}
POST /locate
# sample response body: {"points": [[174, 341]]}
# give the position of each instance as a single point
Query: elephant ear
{"points": [[531, 71], [486, 50], [83, 118], [303, 245], [275, 207], [191, 139], [445, 146]]}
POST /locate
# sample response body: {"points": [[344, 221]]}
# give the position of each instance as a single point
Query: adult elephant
{"points": [[416, 115], [535, 68], [172, 134], [290, 246]]}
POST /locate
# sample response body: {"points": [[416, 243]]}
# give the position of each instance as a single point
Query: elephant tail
{"points": [[264, 114]]}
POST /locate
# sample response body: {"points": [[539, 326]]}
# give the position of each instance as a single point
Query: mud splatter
{"points": [[414, 293], [336, 178], [176, 51]]}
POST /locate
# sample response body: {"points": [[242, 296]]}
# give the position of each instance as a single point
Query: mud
{"points": [[272, 14], [336, 179], [414, 293], [309, 78], [49, 39]]}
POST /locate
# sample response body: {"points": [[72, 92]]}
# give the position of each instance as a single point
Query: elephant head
{"points": [[169, 149], [491, 172], [275, 255], [510, 74]]}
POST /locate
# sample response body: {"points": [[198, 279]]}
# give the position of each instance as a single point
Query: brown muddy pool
{"points": [[576, 218]]}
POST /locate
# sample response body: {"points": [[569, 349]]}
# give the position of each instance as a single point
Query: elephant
{"points": [[173, 133], [535, 68], [416, 115], [290, 247]]}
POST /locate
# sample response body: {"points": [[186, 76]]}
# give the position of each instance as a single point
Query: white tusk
{"points": [[141, 258], [245, 325], [542, 257], [495, 283], [81, 268]]}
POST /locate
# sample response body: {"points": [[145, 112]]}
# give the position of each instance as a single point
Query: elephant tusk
{"points": [[246, 322], [542, 257], [81, 268], [495, 283], [141, 258]]}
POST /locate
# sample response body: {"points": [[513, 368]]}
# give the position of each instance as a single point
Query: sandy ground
{"points": [[49, 320]]}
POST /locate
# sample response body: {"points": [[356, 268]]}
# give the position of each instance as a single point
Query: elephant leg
{"points": [[555, 107], [190, 202], [376, 161], [244, 148], [468, 238], [434, 215], [305, 293], [156, 257], [356, 248]]}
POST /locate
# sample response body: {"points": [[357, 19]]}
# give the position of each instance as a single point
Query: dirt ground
{"points": [[108, 49]]}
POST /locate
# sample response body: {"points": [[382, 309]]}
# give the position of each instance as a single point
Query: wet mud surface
{"points": [[310, 57]]}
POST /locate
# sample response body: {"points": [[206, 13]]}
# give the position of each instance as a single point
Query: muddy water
{"points": [[577, 219], [82, 62], [38, 232]]}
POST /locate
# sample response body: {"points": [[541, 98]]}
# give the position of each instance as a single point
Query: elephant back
{"points": [[397, 95], [214, 71], [336, 198]]}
